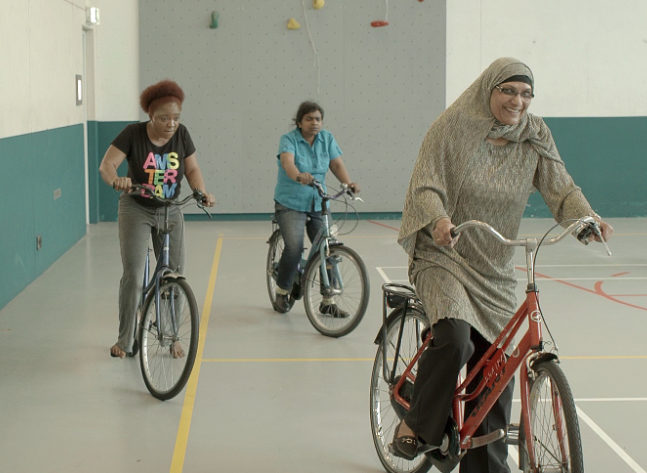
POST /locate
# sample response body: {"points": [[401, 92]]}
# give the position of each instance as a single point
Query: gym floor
{"points": [[268, 392]]}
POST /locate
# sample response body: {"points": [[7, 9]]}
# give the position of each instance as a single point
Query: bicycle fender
{"points": [[174, 276], [544, 357]]}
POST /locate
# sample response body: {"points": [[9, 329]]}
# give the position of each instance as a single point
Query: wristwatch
{"points": [[298, 179]]}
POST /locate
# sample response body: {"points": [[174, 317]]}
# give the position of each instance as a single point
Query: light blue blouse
{"points": [[314, 159]]}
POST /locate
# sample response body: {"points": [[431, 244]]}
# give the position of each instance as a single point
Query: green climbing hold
{"points": [[214, 19]]}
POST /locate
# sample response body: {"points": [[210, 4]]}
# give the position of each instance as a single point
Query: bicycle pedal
{"points": [[512, 434]]}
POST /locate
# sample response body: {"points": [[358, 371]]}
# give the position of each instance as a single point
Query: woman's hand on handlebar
{"points": [[122, 184], [208, 200], [354, 187], [442, 233], [304, 178], [605, 229]]}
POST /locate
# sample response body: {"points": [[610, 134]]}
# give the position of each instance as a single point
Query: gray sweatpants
{"points": [[139, 224]]}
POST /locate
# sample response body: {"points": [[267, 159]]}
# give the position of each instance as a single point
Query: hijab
{"points": [[453, 140]]}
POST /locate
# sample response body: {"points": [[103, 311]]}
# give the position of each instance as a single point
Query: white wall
{"points": [[117, 60], [39, 57], [588, 56], [41, 51]]}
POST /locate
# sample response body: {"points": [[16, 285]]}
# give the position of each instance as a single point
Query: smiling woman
{"points": [[160, 153], [480, 160]]}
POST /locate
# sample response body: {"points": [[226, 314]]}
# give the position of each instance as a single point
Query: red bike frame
{"points": [[498, 370]]}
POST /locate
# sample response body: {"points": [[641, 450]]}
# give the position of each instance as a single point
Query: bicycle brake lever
{"points": [[598, 233]]}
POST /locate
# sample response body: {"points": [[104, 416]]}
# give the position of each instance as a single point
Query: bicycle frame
{"points": [[322, 242], [496, 367], [162, 268]]}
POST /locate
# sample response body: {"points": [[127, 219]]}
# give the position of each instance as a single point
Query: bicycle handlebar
{"points": [[345, 189], [146, 191], [581, 228]]}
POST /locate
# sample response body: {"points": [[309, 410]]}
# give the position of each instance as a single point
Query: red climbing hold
{"points": [[378, 23]]}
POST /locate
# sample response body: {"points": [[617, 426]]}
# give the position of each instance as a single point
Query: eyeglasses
{"points": [[525, 95]]}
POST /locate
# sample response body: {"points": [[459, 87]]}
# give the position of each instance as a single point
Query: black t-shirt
{"points": [[159, 167]]}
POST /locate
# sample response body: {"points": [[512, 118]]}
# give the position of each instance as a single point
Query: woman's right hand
{"points": [[442, 233], [122, 184], [304, 178]]}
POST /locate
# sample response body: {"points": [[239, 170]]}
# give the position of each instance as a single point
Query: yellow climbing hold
{"points": [[317, 4], [293, 24]]}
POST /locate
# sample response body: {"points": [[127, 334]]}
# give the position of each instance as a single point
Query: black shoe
{"points": [[281, 303], [404, 447], [333, 310]]}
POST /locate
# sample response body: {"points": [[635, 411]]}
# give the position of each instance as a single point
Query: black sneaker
{"points": [[281, 303], [333, 310]]}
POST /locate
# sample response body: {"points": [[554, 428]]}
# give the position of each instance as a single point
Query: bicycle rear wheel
{"points": [[274, 253], [168, 345], [386, 413], [555, 445], [349, 289]]}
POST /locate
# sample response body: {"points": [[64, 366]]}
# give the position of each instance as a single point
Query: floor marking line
{"points": [[383, 225], [605, 357], [602, 399], [270, 360], [290, 360], [609, 441], [182, 438], [599, 291], [383, 274]]}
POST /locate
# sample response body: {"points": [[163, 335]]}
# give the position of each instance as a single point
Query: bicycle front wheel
{"points": [[336, 310], [386, 413], [274, 253], [555, 445], [169, 339]]}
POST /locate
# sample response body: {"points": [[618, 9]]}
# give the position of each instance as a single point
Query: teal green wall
{"points": [[606, 158], [34, 166], [103, 199]]}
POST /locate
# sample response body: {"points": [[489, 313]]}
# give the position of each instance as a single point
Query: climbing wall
{"points": [[245, 72]]}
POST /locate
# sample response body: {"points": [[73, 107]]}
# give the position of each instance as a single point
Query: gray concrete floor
{"points": [[269, 393]]}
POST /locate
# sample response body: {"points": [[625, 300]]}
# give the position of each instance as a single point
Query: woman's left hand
{"points": [[354, 187], [605, 229], [209, 200]]}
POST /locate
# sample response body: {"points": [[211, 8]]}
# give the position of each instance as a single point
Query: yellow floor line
{"points": [[265, 360], [287, 360], [179, 453]]}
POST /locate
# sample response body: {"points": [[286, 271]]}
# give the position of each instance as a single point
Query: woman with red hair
{"points": [[160, 153]]}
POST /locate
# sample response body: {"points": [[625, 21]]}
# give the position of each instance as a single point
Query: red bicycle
{"points": [[548, 434]]}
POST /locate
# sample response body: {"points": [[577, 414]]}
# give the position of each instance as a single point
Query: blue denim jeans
{"points": [[292, 224]]}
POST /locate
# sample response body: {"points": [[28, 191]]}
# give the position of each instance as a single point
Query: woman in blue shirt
{"points": [[306, 153]]}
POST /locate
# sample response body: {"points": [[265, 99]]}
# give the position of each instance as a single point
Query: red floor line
{"points": [[598, 289], [619, 274], [382, 225]]}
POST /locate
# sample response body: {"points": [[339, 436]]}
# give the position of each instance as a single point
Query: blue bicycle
{"points": [[331, 270], [168, 314]]}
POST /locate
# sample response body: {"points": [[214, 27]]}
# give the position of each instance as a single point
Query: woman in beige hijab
{"points": [[481, 159]]}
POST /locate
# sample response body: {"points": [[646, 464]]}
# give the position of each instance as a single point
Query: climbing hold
{"points": [[317, 4], [293, 24], [214, 20], [378, 23]]}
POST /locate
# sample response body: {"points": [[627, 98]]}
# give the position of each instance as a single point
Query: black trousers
{"points": [[455, 343]]}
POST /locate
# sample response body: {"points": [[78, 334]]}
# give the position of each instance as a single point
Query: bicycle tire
{"points": [[551, 411], [351, 287], [386, 414], [165, 375], [274, 253]]}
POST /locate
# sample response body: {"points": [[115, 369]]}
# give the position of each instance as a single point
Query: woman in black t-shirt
{"points": [[160, 154]]}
